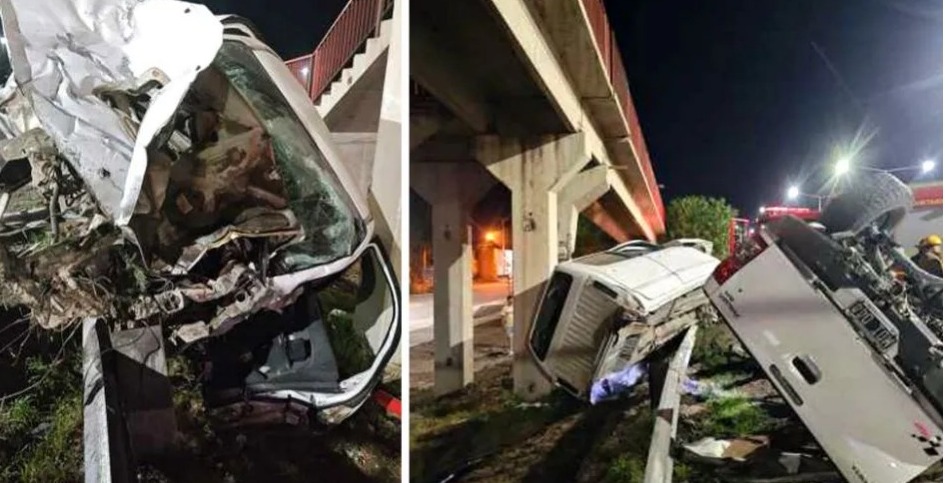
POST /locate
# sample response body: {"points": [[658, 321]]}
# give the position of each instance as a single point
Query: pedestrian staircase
{"points": [[363, 77]]}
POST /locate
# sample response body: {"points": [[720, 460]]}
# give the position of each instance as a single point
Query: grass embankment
{"points": [[41, 428], [485, 433]]}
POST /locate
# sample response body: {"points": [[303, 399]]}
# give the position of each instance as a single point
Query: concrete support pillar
{"points": [[585, 188], [452, 297], [452, 190], [358, 151], [535, 170], [386, 185]]}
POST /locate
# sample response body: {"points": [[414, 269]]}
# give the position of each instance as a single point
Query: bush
{"points": [[733, 417], [626, 469], [700, 217], [590, 238]]}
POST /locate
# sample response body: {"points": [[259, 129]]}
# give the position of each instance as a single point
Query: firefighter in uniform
{"points": [[929, 257]]}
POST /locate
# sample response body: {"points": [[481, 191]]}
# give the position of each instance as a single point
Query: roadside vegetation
{"points": [[700, 217], [41, 414]]}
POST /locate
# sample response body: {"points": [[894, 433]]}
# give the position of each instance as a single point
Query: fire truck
{"points": [[739, 229], [924, 219]]}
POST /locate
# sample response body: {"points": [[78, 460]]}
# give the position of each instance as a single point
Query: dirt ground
{"points": [[353, 452], [485, 433], [491, 347]]}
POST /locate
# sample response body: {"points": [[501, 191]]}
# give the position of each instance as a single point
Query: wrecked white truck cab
{"points": [[606, 312], [186, 179]]}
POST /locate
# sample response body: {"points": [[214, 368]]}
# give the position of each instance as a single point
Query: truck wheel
{"points": [[875, 197]]}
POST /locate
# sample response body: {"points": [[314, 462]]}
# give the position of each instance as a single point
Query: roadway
{"points": [[487, 302]]}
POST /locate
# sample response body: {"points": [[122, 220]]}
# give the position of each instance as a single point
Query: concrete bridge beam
{"points": [[583, 190], [452, 189]]}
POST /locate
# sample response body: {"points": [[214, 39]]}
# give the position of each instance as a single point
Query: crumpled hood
{"points": [[65, 52]]}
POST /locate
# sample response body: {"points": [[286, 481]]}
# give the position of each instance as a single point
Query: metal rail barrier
{"points": [[301, 68], [355, 24], [659, 462], [107, 445]]}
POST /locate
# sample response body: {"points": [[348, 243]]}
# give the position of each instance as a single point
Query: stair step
{"points": [[371, 50]]}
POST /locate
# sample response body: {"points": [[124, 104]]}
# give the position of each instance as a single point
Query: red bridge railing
{"points": [[357, 22], [613, 62], [301, 68]]}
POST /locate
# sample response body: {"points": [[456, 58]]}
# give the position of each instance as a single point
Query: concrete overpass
{"points": [[532, 95]]}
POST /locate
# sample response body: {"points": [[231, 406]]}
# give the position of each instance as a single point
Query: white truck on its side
{"points": [[610, 310], [847, 328]]}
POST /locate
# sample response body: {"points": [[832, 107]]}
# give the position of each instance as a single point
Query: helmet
{"points": [[931, 241]]}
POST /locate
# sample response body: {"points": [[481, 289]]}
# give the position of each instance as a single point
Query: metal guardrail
{"points": [[659, 463], [105, 437], [357, 22], [613, 63]]}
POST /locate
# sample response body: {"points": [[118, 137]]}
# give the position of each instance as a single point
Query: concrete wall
{"points": [[357, 149]]}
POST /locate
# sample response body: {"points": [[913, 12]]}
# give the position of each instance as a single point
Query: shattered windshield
{"points": [[332, 228]]}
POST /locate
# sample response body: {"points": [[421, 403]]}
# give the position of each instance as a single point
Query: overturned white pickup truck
{"points": [[848, 329], [608, 311]]}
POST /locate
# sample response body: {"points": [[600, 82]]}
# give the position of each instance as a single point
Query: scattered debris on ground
{"points": [[733, 426]]}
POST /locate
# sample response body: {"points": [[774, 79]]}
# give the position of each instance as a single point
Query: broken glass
{"points": [[332, 228]]}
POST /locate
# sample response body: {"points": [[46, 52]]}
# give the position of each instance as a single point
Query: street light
{"points": [[927, 165], [490, 236], [793, 192], [842, 167]]}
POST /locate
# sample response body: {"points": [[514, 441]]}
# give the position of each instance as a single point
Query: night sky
{"points": [[291, 27], [735, 101], [733, 96]]}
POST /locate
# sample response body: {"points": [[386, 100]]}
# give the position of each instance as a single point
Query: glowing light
{"points": [[927, 166], [793, 192], [842, 167], [490, 236]]}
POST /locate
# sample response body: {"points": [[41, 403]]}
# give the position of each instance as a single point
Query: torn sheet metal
{"points": [[66, 53]]}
